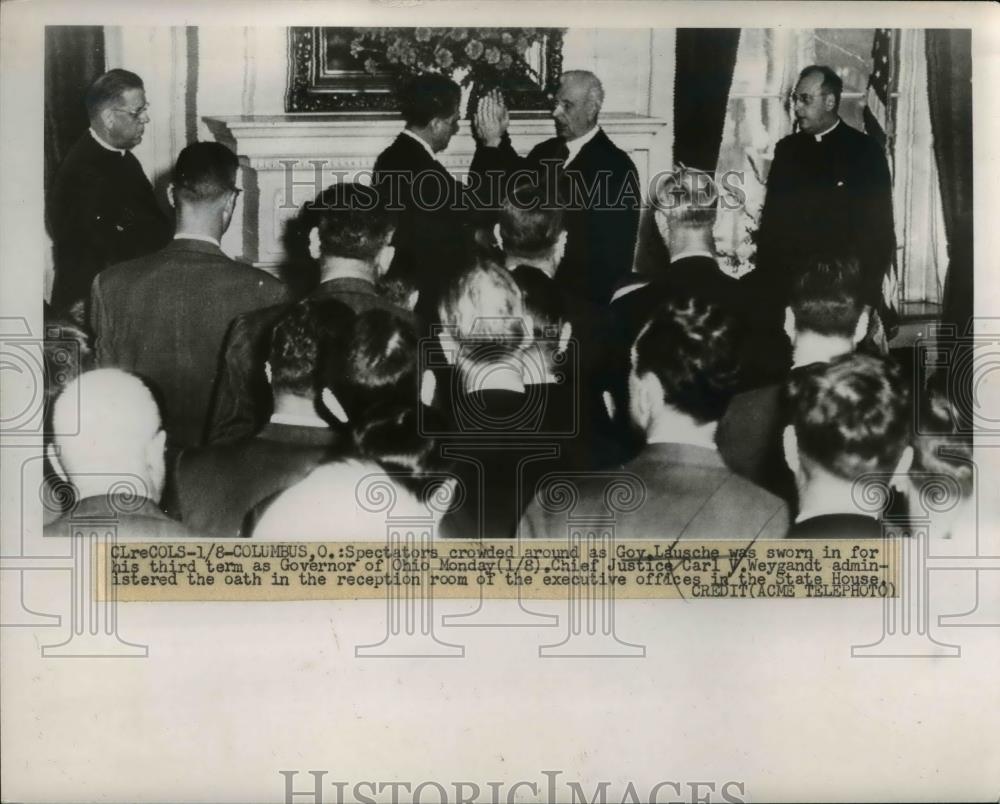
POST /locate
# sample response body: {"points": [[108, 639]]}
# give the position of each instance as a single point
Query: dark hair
{"points": [[351, 220], [687, 197], [832, 83], [205, 171], [427, 97], [851, 416], [529, 225], [543, 300], [941, 448], [108, 89], [826, 296], [689, 346], [296, 341]]}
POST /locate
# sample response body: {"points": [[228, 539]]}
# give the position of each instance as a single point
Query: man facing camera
{"points": [[683, 372], [109, 445], [101, 209], [581, 167], [850, 418], [164, 316]]}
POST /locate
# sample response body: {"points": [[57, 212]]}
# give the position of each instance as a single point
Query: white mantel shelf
{"points": [[346, 146]]}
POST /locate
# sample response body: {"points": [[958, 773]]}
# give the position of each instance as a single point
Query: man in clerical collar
{"points": [[101, 209], [828, 189]]}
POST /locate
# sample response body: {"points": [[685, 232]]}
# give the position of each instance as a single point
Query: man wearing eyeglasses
{"points": [[101, 208], [829, 191]]}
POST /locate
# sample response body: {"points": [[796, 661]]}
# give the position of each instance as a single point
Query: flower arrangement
{"points": [[488, 57]]}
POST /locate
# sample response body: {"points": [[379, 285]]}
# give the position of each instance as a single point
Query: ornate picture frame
{"points": [[323, 76]]}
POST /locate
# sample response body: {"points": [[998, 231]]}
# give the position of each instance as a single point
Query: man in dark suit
{"points": [[164, 316], [849, 418], [829, 184], [349, 234], [682, 376], [217, 485], [428, 199], [581, 168], [101, 209], [824, 319], [109, 447]]}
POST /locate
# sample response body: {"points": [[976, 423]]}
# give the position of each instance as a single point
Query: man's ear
{"points": [[560, 247], [790, 443], [447, 492], [156, 463], [170, 195], [564, 335], [383, 260], [790, 324], [829, 102], [428, 385], [52, 452], [314, 251], [412, 299], [332, 404], [267, 371], [107, 118], [497, 236], [861, 330], [901, 474]]}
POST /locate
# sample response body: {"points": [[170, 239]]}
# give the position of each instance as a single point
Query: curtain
{"points": [[74, 56], [949, 93], [705, 61]]}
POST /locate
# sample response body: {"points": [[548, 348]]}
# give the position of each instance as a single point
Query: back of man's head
{"points": [[530, 222], [850, 416], [826, 296], [350, 222], [205, 172], [107, 424], [427, 97], [689, 347], [296, 341], [107, 90], [483, 311], [685, 198]]}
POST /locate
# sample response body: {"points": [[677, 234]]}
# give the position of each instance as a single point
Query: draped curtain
{"points": [[74, 56], [949, 92]]}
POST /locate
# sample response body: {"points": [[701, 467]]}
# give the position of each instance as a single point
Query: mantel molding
{"points": [[287, 159]]}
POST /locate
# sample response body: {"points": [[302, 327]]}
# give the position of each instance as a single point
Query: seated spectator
{"points": [[109, 446], [683, 372], [824, 320], [216, 485], [850, 418], [164, 316], [349, 235]]}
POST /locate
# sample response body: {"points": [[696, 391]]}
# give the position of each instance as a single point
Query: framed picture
{"points": [[330, 73]]}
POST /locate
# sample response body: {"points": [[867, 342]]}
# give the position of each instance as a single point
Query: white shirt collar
{"points": [[574, 146], [819, 137], [104, 145], [297, 421], [695, 253], [423, 142], [203, 238]]}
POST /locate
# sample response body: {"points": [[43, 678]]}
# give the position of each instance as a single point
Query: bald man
{"points": [[598, 180], [109, 446]]}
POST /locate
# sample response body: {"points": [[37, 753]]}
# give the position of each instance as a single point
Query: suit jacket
{"points": [[101, 211], [825, 196], [135, 519], [242, 400], [215, 486], [689, 494], [601, 190], [164, 317], [837, 526], [433, 213]]}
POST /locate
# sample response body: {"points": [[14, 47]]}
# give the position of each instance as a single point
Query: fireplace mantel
{"points": [[287, 159]]}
